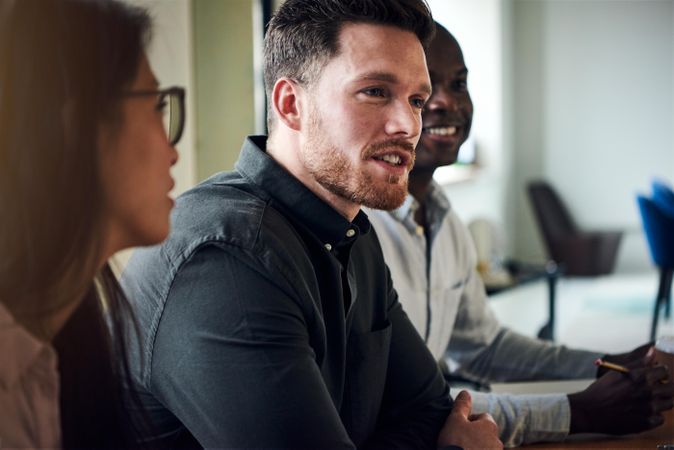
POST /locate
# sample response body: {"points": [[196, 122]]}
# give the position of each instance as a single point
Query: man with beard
{"points": [[268, 319], [433, 267]]}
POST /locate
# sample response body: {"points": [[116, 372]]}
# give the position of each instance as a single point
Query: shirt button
{"points": [[328, 247], [350, 232]]}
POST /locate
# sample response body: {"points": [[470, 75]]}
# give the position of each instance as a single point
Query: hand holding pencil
{"points": [[609, 365], [641, 356], [626, 398]]}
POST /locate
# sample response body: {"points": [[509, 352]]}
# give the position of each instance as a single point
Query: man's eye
{"points": [[374, 92], [461, 85], [418, 103]]}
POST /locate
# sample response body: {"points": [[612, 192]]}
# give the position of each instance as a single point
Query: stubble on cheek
{"points": [[334, 171]]}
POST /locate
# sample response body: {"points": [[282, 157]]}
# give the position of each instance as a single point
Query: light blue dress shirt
{"points": [[444, 296]]}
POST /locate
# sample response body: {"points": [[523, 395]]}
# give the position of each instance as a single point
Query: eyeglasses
{"points": [[172, 102]]}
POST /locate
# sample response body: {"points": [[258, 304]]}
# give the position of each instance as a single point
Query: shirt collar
{"points": [[407, 209], [437, 207], [306, 207], [437, 204]]}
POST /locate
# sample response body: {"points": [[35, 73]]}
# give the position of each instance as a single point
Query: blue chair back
{"points": [[658, 224], [663, 195]]}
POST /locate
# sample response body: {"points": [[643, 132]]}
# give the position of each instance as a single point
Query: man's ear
{"points": [[287, 102]]}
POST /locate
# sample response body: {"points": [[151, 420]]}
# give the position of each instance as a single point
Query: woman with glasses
{"points": [[84, 173]]}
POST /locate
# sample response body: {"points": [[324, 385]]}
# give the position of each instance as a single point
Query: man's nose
{"points": [[404, 120], [441, 100]]}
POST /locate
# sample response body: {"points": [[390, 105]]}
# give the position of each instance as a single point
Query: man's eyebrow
{"points": [[390, 78], [459, 73], [378, 76], [426, 89]]}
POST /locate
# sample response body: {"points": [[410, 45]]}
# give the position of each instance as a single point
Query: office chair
{"points": [[659, 227], [578, 252], [663, 195]]}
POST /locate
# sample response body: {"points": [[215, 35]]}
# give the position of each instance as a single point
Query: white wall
{"points": [[594, 84], [579, 92]]}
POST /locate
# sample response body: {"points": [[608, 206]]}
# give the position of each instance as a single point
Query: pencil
{"points": [[601, 363]]}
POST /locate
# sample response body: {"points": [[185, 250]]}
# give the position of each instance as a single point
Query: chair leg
{"points": [[654, 323], [547, 331], [667, 294], [664, 291]]}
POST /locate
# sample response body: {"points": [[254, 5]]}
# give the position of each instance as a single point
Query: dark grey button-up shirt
{"points": [[269, 320]]}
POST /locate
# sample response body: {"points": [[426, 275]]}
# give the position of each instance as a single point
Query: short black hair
{"points": [[303, 34]]}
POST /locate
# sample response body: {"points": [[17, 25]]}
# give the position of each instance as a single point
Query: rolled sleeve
{"points": [[525, 419], [514, 357]]}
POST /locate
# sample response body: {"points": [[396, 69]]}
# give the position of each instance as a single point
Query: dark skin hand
{"points": [[644, 355], [623, 403]]}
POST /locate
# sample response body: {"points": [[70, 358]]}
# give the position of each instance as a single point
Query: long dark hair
{"points": [[63, 66]]}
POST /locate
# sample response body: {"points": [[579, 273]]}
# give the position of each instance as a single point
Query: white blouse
{"points": [[29, 388]]}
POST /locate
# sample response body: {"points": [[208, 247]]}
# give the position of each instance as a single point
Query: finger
{"points": [[649, 375], [463, 404], [654, 390], [484, 417], [655, 420], [637, 424], [638, 375], [661, 404], [649, 357], [639, 357], [644, 353], [663, 389], [657, 374]]}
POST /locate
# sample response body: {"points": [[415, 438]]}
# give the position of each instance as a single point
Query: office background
{"points": [[578, 92]]}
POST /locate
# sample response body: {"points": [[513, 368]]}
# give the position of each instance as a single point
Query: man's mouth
{"points": [[395, 163], [394, 160], [441, 131]]}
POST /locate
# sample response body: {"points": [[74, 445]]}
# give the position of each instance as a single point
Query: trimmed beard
{"points": [[333, 170]]}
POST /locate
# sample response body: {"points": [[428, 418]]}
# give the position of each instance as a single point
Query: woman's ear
{"points": [[287, 102]]}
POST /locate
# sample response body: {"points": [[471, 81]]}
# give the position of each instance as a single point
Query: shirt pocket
{"points": [[366, 367]]}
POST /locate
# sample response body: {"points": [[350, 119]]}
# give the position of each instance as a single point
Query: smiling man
{"points": [[433, 266], [268, 318]]}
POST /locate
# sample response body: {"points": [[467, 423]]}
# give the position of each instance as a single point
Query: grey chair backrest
{"points": [[552, 215]]}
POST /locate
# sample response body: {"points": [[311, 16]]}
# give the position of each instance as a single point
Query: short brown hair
{"points": [[303, 34]]}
